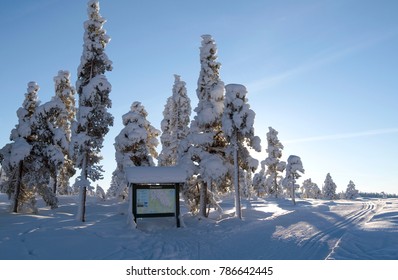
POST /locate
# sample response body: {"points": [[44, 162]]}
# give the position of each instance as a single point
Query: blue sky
{"points": [[322, 73]]}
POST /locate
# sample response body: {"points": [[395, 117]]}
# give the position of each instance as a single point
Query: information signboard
{"points": [[155, 200]]}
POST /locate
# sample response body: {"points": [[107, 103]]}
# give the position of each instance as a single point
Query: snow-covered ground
{"points": [[271, 229]]}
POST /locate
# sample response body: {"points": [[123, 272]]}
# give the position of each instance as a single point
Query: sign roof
{"points": [[155, 174]]}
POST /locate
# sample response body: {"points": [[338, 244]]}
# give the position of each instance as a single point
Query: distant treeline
{"points": [[377, 195]]}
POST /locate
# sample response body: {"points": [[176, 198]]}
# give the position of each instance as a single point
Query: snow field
{"points": [[363, 229]]}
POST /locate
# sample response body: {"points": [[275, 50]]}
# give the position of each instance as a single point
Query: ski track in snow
{"points": [[270, 229], [337, 230]]}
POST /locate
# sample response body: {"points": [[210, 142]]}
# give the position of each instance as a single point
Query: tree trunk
{"points": [[203, 200], [84, 204], [55, 184], [238, 210], [17, 187], [293, 190], [83, 191], [275, 182]]}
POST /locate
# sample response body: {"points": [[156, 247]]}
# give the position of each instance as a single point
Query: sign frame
{"points": [[176, 213]]}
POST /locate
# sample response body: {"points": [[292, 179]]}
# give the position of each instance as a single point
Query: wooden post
{"points": [[177, 196], [133, 201]]}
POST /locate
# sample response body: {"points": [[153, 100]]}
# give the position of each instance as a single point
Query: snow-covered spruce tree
{"points": [[168, 147], [100, 193], [112, 191], [293, 167], [66, 93], [259, 180], [329, 188], [246, 183], [135, 145], [93, 119], [310, 189], [14, 154], [274, 165], [206, 139], [351, 192], [48, 150], [175, 123], [237, 125]]}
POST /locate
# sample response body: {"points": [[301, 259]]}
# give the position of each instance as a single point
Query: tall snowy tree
{"points": [[93, 118], [351, 192], [135, 145], [237, 124], [65, 92], [293, 167], [207, 142], [15, 153], [310, 189], [175, 124], [329, 188], [274, 165]]}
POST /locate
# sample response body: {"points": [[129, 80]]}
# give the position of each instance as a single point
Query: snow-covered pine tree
{"points": [[351, 192], [237, 125], [329, 188], [135, 145], [15, 153], [274, 165], [66, 93], [175, 123], [293, 167], [93, 118], [310, 189], [206, 139]]}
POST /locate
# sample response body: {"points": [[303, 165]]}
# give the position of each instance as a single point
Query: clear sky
{"points": [[322, 73]]}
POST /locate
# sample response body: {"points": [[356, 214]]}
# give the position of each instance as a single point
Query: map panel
{"points": [[155, 201]]}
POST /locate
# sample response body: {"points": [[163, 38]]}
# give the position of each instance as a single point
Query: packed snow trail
{"points": [[333, 233], [374, 239]]}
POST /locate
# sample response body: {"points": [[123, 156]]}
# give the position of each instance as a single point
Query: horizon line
{"points": [[343, 135]]}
